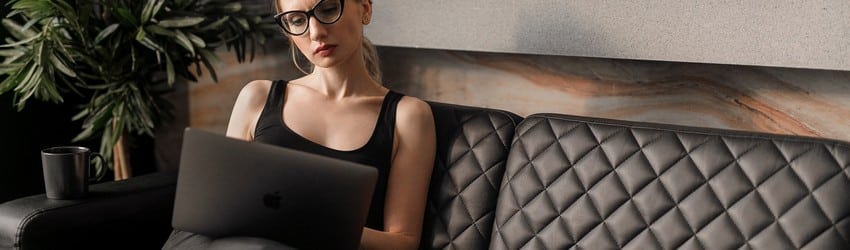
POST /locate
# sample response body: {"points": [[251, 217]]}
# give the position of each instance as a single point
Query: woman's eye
{"points": [[296, 21], [332, 10]]}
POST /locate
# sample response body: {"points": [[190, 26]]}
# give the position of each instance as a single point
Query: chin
{"points": [[325, 63], [330, 61]]}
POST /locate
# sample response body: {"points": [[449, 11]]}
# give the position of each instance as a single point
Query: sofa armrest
{"points": [[130, 214]]}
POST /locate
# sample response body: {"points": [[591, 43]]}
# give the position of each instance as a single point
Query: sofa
{"points": [[546, 181]]}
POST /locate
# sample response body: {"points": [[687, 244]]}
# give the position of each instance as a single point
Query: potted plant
{"points": [[121, 55]]}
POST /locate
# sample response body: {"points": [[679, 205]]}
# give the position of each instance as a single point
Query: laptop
{"points": [[230, 187]]}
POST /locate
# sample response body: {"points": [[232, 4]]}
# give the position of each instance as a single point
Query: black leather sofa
{"points": [[548, 181]]}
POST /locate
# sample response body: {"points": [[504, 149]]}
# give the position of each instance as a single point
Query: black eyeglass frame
{"points": [[309, 13]]}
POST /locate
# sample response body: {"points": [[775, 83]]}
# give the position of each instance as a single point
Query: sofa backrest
{"points": [[472, 146], [577, 182]]}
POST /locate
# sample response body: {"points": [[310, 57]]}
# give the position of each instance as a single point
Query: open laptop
{"points": [[229, 187]]}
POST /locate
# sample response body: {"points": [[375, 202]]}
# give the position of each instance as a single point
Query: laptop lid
{"points": [[230, 187]]}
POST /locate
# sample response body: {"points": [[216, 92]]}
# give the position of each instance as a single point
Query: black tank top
{"points": [[377, 152]]}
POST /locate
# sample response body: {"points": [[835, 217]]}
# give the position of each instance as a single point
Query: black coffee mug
{"points": [[67, 171]]}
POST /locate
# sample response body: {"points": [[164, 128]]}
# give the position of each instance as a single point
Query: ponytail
{"points": [[370, 56], [294, 51]]}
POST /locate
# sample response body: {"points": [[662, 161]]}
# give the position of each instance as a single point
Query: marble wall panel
{"points": [[776, 100]]}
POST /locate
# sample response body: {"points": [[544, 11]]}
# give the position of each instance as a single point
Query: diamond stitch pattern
{"points": [[472, 147], [576, 182]]}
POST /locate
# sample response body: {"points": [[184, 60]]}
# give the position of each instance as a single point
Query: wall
{"points": [[578, 57], [768, 99], [800, 34]]}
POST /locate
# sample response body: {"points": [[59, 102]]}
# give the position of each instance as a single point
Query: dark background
{"points": [[41, 125], [23, 134]]}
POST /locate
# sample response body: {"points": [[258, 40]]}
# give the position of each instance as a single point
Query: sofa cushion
{"points": [[472, 146], [600, 184]]}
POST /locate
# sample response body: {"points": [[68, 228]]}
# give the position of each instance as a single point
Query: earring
{"points": [[365, 20]]}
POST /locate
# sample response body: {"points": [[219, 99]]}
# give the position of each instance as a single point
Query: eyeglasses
{"points": [[297, 22]]}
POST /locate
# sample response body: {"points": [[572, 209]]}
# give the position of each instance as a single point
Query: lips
{"points": [[324, 50]]}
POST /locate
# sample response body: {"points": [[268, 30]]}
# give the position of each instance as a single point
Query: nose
{"points": [[317, 30]]}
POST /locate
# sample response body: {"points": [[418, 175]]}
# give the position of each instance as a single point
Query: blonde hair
{"points": [[370, 54]]}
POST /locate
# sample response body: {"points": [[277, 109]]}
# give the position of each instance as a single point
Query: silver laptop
{"points": [[229, 187]]}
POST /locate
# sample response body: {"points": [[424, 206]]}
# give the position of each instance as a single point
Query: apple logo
{"points": [[272, 200]]}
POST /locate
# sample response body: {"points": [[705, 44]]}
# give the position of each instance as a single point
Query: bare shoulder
{"points": [[255, 91], [249, 104], [415, 114]]}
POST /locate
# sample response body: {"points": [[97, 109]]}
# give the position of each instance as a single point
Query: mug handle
{"points": [[94, 178]]}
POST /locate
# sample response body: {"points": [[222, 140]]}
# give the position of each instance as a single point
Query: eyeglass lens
{"points": [[297, 22]]}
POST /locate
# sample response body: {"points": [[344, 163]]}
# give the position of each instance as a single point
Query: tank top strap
{"points": [[271, 114], [276, 94], [388, 113]]}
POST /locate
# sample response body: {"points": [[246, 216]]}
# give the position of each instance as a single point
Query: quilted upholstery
{"points": [[472, 147], [575, 182]]}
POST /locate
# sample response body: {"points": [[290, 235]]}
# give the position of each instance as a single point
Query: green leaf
{"points": [[80, 115], [66, 10], [31, 69], [156, 29], [49, 91], [198, 41], [106, 86], [33, 9], [169, 67], [150, 10], [181, 22], [216, 24], [211, 57], [11, 52], [126, 16], [11, 82], [143, 112], [29, 86], [244, 23], [18, 43], [105, 32], [182, 40], [61, 66], [106, 148], [87, 132], [142, 38], [17, 30], [6, 69], [133, 58], [103, 114], [208, 58], [30, 24], [117, 120], [232, 7]]}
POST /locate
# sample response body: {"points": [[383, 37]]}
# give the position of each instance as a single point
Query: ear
{"points": [[366, 11]]}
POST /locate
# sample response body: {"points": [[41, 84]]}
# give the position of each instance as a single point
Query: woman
{"points": [[341, 110]]}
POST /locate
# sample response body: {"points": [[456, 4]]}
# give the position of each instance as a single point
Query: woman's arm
{"points": [[409, 177], [246, 111]]}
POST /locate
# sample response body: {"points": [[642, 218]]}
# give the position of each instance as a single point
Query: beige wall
{"points": [[799, 34]]}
